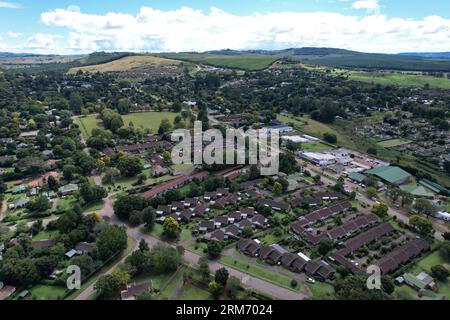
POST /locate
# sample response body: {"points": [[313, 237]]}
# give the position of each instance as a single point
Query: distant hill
{"points": [[15, 55], [437, 55], [332, 57], [344, 58]]}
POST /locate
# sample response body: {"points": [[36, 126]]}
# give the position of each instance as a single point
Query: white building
{"points": [[319, 159], [443, 215], [295, 139]]}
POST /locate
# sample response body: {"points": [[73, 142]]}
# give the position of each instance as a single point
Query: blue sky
{"points": [[161, 25]]}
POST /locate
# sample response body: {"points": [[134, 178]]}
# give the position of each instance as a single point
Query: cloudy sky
{"points": [[71, 27]]}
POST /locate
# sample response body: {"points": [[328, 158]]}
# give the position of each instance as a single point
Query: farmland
{"points": [[391, 78], [244, 61], [400, 79], [127, 64], [146, 120]]}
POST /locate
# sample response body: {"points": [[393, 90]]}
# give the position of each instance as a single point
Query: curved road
{"points": [[191, 259]]}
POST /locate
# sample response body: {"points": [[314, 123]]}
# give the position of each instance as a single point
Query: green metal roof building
{"points": [[356, 176], [417, 191], [391, 175]]}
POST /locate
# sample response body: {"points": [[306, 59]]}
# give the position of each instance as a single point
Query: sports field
{"points": [[146, 120]]}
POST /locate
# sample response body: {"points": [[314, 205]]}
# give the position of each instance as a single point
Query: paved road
{"points": [[89, 291], [192, 258], [361, 197]]}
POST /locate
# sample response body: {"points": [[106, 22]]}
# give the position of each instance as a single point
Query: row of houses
{"points": [[173, 184], [339, 232], [140, 148], [277, 255], [231, 225], [320, 215]]}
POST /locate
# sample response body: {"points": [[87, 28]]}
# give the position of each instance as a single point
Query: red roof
{"points": [[175, 183]]}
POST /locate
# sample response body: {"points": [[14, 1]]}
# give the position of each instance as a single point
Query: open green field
{"points": [[45, 235], [259, 272], [315, 147], [388, 78], [400, 79], [393, 143], [88, 123], [146, 120], [191, 292], [47, 292], [240, 61]]}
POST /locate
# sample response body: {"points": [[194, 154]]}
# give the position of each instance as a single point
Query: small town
{"points": [[94, 206]]}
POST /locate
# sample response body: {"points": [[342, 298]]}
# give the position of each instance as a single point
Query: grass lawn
{"points": [[316, 147], [405, 292], [16, 215], [88, 123], [322, 291], [393, 143], [47, 292], [146, 120], [65, 203], [197, 247], [186, 233], [171, 286], [191, 292], [93, 206], [259, 272], [44, 235]]}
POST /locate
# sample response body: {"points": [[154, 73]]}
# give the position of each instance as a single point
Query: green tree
{"points": [[330, 137], [165, 126], [108, 286], [171, 228], [110, 241], [440, 272], [203, 268], [324, 247], [277, 188], [422, 225], [148, 217], [380, 209], [76, 102], [424, 206], [126, 204], [130, 166], [214, 249], [221, 276]]}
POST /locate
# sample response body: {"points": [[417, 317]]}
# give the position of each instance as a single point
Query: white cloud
{"points": [[41, 43], [74, 8], [12, 34], [10, 5], [366, 4], [186, 29]]}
